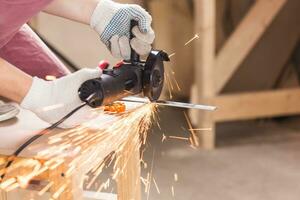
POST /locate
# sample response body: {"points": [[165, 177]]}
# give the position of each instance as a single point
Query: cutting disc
{"points": [[153, 79]]}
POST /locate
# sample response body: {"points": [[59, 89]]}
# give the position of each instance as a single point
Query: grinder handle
{"points": [[135, 58]]}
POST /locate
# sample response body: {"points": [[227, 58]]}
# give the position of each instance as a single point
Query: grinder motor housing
{"points": [[127, 79]]}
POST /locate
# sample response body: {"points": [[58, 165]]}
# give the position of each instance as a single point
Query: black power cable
{"points": [[40, 134]]}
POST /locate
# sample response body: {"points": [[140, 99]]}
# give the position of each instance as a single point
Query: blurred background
{"points": [[240, 55]]}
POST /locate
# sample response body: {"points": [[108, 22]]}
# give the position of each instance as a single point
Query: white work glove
{"points": [[52, 100], [112, 21]]}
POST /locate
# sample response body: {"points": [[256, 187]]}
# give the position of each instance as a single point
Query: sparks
{"points": [[172, 54], [150, 175], [173, 191], [83, 146], [194, 141], [60, 190], [179, 138], [201, 129], [192, 39], [164, 138], [175, 177], [156, 186], [50, 78], [45, 189]]}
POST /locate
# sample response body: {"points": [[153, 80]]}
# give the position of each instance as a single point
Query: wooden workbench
{"points": [[15, 132]]}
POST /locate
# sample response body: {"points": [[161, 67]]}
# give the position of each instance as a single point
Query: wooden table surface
{"points": [[15, 132]]}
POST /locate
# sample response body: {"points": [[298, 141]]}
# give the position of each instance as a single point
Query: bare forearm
{"points": [[76, 10], [14, 83]]}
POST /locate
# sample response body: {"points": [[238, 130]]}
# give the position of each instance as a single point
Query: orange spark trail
{"points": [[150, 175], [176, 177], [171, 55], [194, 140], [179, 138], [81, 147], [172, 190], [191, 40], [156, 186], [46, 188], [201, 129]]}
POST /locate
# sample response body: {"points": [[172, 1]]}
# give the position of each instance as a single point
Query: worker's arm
{"points": [[112, 22], [49, 100], [76, 10], [15, 84]]}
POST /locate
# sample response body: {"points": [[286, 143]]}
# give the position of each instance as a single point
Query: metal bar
{"points": [[186, 105], [171, 103]]}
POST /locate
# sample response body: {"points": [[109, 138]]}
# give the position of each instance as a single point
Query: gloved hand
{"points": [[52, 100], [112, 21]]}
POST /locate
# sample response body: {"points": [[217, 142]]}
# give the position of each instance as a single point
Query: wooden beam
{"points": [[205, 16], [268, 58], [257, 105], [244, 39]]}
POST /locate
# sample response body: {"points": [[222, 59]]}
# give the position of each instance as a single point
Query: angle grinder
{"points": [[127, 78]]}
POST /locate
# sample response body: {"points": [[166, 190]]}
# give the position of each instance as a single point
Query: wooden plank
{"points": [[244, 38], [205, 16], [257, 105]]}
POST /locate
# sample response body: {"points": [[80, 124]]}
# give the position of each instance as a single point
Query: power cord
{"points": [[40, 134]]}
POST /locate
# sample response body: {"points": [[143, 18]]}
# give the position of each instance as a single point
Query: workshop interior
{"points": [[207, 109]]}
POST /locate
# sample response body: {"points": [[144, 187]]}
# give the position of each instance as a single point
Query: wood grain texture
{"points": [[256, 105]]}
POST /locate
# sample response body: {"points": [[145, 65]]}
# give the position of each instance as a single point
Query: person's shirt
{"points": [[14, 14], [20, 46]]}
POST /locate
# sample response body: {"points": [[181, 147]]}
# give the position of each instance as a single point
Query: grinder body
{"points": [[114, 84], [126, 79]]}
